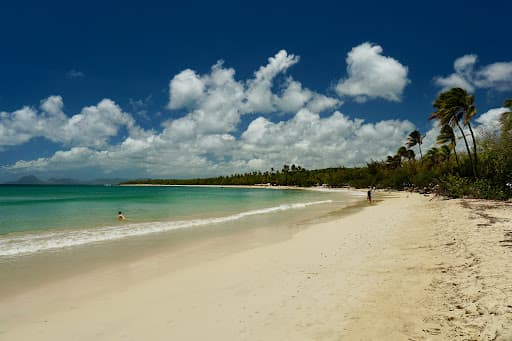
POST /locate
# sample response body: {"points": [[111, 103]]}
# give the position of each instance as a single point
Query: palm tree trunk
{"points": [[467, 148], [474, 146], [421, 155], [456, 157]]}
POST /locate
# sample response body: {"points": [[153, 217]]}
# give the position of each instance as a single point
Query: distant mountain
{"points": [[64, 181], [27, 180], [33, 180]]}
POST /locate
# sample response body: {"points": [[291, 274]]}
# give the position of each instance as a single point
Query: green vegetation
{"points": [[452, 107], [484, 171], [415, 138]]}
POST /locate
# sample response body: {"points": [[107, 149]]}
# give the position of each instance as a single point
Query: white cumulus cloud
{"points": [[259, 91], [92, 127], [207, 138], [185, 89], [490, 120], [312, 141], [201, 93], [372, 75], [495, 76]]}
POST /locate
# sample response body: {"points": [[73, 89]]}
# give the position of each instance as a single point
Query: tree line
{"points": [[482, 170]]}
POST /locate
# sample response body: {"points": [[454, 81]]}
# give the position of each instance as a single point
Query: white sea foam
{"points": [[32, 243]]}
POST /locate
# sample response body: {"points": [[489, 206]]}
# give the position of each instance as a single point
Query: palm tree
{"points": [[393, 161], [402, 153], [445, 152], [410, 154], [453, 106], [398, 160], [433, 155], [285, 171], [469, 113], [446, 135], [413, 139], [506, 120]]}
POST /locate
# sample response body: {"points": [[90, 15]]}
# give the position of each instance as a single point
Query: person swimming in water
{"points": [[120, 216]]}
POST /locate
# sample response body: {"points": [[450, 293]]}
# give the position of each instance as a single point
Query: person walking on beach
{"points": [[120, 216], [370, 195]]}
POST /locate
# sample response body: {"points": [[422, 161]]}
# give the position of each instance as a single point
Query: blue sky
{"points": [[136, 89]]}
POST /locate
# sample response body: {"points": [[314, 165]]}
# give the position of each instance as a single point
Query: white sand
{"points": [[404, 269]]}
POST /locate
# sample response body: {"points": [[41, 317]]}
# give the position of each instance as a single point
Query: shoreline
{"points": [[262, 186], [407, 267], [158, 217], [216, 186], [27, 271]]}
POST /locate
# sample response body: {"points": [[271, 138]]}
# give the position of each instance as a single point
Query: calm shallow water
{"points": [[35, 219], [71, 230]]}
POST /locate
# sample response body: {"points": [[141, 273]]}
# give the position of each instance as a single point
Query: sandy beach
{"points": [[405, 268]]}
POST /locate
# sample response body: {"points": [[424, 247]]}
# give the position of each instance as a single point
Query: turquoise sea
{"points": [[37, 219]]}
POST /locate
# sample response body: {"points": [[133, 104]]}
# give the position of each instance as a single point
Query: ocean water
{"points": [[37, 219]]}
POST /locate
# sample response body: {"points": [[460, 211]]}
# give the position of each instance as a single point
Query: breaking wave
{"points": [[14, 245]]}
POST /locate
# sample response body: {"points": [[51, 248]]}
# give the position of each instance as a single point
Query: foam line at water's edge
{"points": [[32, 243]]}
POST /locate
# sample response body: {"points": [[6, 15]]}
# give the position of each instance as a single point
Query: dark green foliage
{"points": [[410, 154], [452, 107], [455, 186], [506, 122], [413, 139], [456, 175], [447, 139], [425, 178], [458, 187], [455, 181]]}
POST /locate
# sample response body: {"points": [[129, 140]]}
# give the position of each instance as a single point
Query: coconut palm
{"points": [[445, 152], [446, 135], [469, 113], [506, 120], [402, 153], [433, 155], [393, 161], [410, 154], [389, 161], [453, 106], [413, 139], [398, 160]]}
